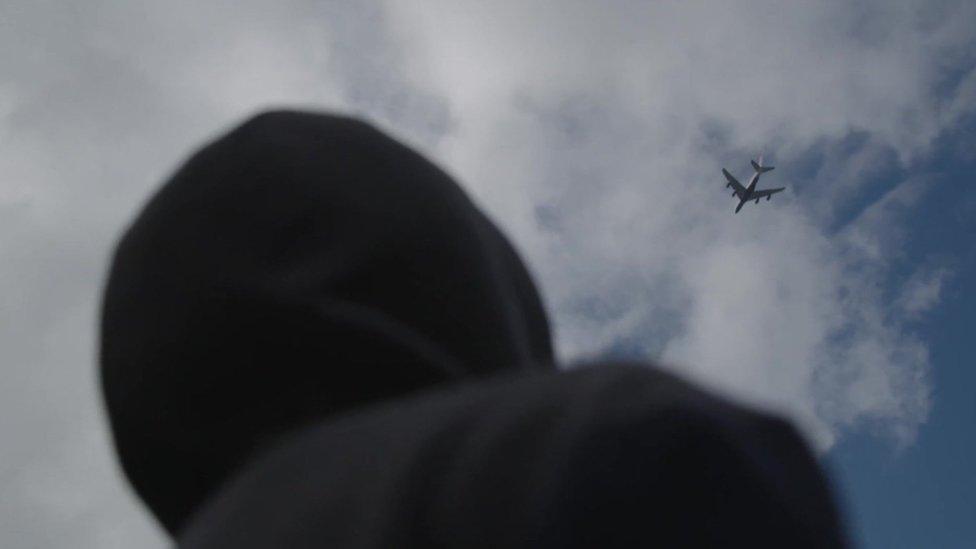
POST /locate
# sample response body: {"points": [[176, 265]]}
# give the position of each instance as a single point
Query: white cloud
{"points": [[923, 290], [596, 135], [593, 132]]}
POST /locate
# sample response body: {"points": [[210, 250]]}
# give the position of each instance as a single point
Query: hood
{"points": [[298, 267]]}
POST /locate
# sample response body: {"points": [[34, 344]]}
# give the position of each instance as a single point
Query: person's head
{"points": [[299, 266]]}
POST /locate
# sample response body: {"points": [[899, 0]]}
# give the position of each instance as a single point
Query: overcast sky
{"points": [[593, 132]]}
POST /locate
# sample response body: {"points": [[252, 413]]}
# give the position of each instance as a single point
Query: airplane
{"points": [[749, 192]]}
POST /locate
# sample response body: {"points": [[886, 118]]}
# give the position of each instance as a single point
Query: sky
{"points": [[594, 134]]}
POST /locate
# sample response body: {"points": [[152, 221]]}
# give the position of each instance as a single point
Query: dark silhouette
{"points": [[312, 338]]}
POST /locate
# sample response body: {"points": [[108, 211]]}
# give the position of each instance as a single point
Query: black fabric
{"points": [[296, 267], [312, 338], [604, 456]]}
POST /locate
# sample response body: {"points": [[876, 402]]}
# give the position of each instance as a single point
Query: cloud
{"points": [[923, 290], [592, 132], [597, 137]]}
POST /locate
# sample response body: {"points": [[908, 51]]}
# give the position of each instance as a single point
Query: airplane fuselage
{"points": [[749, 190]]}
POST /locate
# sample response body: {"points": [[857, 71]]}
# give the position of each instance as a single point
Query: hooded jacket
{"points": [[312, 338]]}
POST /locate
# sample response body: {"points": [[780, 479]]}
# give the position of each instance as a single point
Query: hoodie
{"points": [[311, 336]]}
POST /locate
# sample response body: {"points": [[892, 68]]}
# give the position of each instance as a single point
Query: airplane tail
{"points": [[759, 167]]}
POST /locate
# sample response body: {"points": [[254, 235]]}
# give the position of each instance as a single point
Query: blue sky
{"points": [[925, 495]]}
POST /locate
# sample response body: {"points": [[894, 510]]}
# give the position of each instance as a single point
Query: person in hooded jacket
{"points": [[311, 337]]}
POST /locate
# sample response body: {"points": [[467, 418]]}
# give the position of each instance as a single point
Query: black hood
{"points": [[300, 266]]}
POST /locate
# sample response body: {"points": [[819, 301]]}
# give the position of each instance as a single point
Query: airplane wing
{"points": [[739, 189], [765, 192]]}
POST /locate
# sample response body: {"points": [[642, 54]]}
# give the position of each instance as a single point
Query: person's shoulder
{"points": [[651, 450], [578, 457]]}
